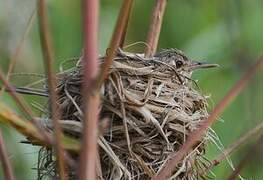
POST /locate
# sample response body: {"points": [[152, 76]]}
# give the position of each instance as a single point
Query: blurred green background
{"points": [[227, 32]]}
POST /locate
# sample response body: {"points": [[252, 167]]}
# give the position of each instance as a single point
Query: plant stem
{"points": [[244, 161], [116, 40], [19, 47], [155, 27], [128, 10], [196, 135], [88, 156], [26, 111], [51, 80], [233, 147], [5, 160], [28, 129]]}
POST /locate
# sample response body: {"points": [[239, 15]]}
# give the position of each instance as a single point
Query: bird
{"points": [[183, 65], [173, 57]]}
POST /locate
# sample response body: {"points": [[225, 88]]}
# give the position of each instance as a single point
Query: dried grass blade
{"points": [[106, 147], [149, 171], [28, 113], [241, 141], [150, 118], [19, 47], [7, 169], [7, 116], [51, 79], [245, 160], [196, 135]]}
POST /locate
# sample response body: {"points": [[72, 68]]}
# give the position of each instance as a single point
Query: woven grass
{"points": [[150, 106]]}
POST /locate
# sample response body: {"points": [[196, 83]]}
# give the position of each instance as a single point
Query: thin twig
{"points": [[7, 169], [244, 161], [26, 111], [195, 136], [233, 147], [128, 11], [238, 143], [117, 38], [51, 80], [88, 156], [19, 47], [31, 91], [155, 27]]}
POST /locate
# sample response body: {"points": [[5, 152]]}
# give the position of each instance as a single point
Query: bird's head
{"points": [[181, 62]]}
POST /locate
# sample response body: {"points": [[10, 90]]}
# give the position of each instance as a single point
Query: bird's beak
{"points": [[200, 65]]}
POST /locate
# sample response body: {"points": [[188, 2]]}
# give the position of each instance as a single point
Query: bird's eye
{"points": [[179, 64]]}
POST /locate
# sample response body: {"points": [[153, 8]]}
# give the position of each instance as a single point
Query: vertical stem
{"points": [[155, 27], [88, 156], [127, 7], [5, 160], [117, 38], [51, 80]]}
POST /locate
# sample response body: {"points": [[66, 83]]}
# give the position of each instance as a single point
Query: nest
{"points": [[151, 105]]}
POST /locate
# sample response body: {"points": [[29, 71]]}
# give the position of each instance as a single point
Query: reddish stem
{"points": [[51, 79], [241, 141], [5, 160], [88, 156], [195, 136], [245, 160], [117, 38], [127, 12], [155, 27]]}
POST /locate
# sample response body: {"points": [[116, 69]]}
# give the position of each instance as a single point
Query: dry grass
{"points": [[150, 107]]}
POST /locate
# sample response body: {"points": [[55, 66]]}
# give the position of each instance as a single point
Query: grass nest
{"points": [[151, 105]]}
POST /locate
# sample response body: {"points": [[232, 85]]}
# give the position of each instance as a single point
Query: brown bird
{"points": [[183, 65], [172, 57]]}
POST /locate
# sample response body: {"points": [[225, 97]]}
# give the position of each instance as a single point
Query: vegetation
{"points": [[228, 33]]}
